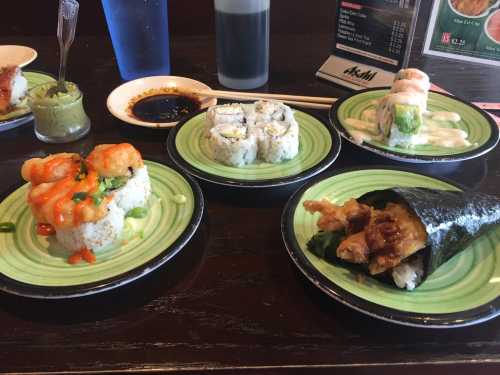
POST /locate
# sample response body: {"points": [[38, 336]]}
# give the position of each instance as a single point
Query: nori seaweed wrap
{"points": [[452, 219], [402, 235]]}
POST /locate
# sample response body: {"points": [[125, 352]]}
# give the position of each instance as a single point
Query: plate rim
{"points": [[326, 162], [150, 125], [34, 53], [19, 288], [415, 158], [464, 318]]}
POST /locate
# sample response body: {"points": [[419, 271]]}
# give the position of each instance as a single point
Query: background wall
{"points": [[187, 17]]}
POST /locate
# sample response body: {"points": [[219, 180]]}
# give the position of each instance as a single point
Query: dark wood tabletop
{"points": [[232, 300]]}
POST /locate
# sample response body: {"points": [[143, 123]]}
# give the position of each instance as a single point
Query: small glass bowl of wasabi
{"points": [[59, 116]]}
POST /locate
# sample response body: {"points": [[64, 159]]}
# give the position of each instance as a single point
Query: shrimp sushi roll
{"points": [[13, 88], [233, 144], [84, 202]]}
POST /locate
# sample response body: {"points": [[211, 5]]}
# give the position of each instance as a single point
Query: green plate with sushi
{"points": [[482, 132], [35, 266], [21, 114], [461, 291], [319, 146]]}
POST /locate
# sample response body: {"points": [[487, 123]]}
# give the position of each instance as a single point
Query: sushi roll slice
{"points": [[415, 75], [402, 235], [278, 140], [84, 202], [94, 235], [399, 118], [232, 144], [124, 173], [224, 114], [13, 88]]}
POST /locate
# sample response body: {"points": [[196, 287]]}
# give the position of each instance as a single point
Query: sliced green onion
{"points": [[7, 227], [137, 213], [80, 196]]}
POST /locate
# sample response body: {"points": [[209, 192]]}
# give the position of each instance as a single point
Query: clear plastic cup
{"points": [[59, 118], [139, 33]]}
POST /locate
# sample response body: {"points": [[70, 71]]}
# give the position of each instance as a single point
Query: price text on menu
{"points": [[375, 32]]}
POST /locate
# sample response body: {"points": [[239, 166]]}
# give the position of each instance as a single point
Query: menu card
{"points": [[372, 41], [465, 30]]}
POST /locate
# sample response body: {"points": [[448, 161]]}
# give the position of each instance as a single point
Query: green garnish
{"points": [[137, 213], [113, 183], [408, 118], [324, 244], [7, 227], [80, 196], [97, 199], [83, 171]]}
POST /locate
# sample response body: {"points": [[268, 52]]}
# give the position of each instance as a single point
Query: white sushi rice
{"points": [[96, 235], [267, 131], [408, 274], [99, 234], [232, 144], [19, 86], [136, 192], [224, 114], [278, 141]]}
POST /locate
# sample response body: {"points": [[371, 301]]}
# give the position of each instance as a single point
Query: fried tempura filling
{"points": [[382, 239]]}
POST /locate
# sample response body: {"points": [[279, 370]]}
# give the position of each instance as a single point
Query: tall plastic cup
{"points": [[139, 33], [242, 33]]}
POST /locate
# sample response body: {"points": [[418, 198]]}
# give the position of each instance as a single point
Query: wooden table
{"points": [[232, 300]]}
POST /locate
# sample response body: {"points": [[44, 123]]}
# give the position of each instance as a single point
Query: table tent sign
{"points": [[372, 41]]}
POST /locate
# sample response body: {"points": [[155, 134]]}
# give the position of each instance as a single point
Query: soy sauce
{"points": [[164, 107]]}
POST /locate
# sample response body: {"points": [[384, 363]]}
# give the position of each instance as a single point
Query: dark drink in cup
{"points": [[242, 32], [139, 32]]}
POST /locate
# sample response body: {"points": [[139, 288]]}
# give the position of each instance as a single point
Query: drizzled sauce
{"points": [[164, 107], [432, 132]]}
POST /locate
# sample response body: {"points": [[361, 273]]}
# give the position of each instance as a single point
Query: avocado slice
{"points": [[407, 118]]}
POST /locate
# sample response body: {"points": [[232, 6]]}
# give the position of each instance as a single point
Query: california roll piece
{"points": [[232, 144], [13, 88], [278, 141], [94, 235], [402, 235], [224, 114]]}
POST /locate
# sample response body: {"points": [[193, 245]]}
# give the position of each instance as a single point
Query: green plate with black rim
{"points": [[463, 291], [482, 131], [319, 146], [35, 266], [22, 113]]}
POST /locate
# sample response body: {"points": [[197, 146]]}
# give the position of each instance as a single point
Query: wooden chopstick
{"points": [[299, 101]]}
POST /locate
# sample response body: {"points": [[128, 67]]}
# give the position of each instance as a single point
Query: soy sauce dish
{"points": [[157, 101]]}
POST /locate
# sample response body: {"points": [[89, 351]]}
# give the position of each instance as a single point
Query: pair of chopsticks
{"points": [[314, 102]]}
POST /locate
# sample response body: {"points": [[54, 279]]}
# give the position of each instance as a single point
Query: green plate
{"points": [[318, 148], [22, 113], [481, 129], [35, 266], [463, 291]]}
